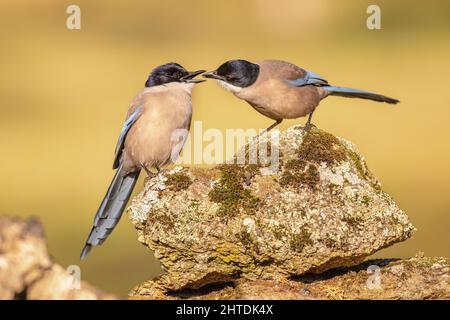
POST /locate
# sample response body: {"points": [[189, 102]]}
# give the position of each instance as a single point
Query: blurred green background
{"points": [[64, 94]]}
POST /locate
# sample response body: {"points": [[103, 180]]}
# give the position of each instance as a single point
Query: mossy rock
{"points": [[407, 279], [321, 209]]}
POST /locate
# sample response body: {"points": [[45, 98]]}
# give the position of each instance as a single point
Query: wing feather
{"points": [[123, 134], [310, 78]]}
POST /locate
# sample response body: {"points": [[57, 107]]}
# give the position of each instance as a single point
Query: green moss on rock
{"points": [[298, 174], [361, 167], [300, 240], [330, 242], [353, 221], [245, 238], [358, 164], [319, 146], [230, 192], [278, 232], [366, 200], [178, 181]]}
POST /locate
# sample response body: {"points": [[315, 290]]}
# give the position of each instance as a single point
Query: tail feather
{"points": [[355, 93], [111, 209]]}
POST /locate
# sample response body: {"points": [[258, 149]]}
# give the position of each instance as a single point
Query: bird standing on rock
{"points": [[146, 141], [281, 90]]}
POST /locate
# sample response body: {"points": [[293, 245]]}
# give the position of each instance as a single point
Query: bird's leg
{"points": [[147, 170], [308, 124], [277, 122], [273, 125]]}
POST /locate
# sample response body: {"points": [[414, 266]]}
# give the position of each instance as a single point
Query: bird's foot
{"points": [[308, 126]]}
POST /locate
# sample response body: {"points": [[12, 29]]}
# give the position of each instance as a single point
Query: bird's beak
{"points": [[212, 75], [189, 77]]}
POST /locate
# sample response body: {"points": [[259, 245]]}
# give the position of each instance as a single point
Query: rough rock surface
{"points": [[415, 278], [28, 272], [320, 210]]}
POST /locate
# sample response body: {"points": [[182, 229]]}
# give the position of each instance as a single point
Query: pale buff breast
{"points": [[158, 135]]}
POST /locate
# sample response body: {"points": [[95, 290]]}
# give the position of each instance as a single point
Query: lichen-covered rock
{"points": [[321, 209], [23, 255], [28, 272], [56, 283], [415, 278]]}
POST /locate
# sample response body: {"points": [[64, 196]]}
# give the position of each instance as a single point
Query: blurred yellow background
{"points": [[64, 94]]}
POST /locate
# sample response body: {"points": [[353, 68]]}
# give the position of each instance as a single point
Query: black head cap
{"points": [[169, 72], [240, 73]]}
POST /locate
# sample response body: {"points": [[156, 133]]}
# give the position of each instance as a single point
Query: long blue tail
{"points": [[111, 209], [355, 93]]}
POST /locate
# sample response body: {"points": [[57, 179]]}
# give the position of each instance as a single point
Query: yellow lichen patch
{"points": [[232, 255], [334, 293]]}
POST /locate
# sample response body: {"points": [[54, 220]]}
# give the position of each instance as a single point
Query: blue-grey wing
{"points": [[123, 134], [310, 78]]}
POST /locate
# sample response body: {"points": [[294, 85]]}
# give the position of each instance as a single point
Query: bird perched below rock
{"points": [[162, 108], [281, 90]]}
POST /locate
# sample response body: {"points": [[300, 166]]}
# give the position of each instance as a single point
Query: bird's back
{"points": [[273, 97], [279, 69]]}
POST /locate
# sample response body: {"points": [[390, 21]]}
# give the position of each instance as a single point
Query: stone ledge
{"points": [[415, 278]]}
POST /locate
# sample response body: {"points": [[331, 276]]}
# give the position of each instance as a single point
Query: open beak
{"points": [[189, 78], [212, 75]]}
